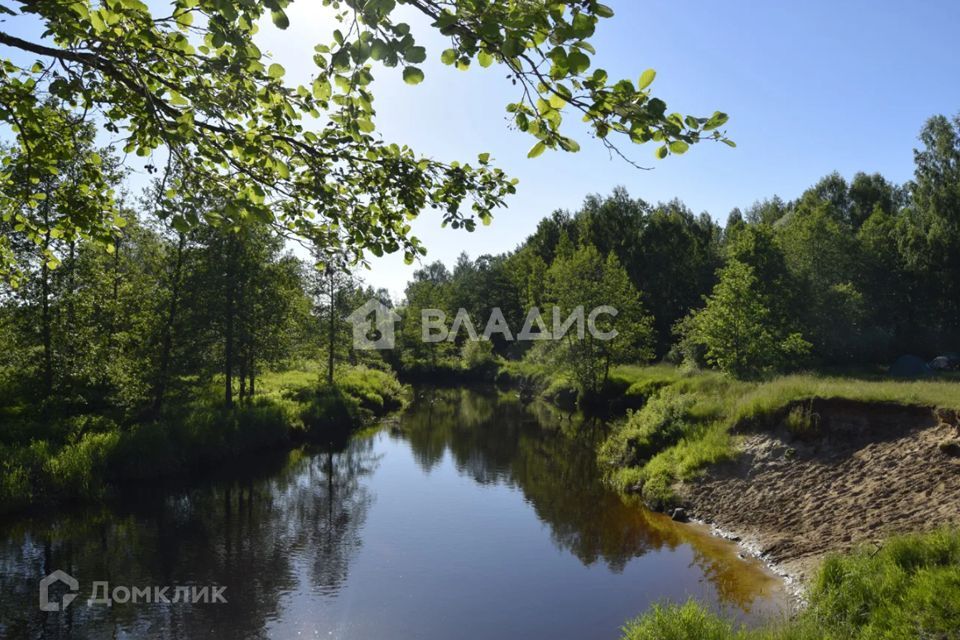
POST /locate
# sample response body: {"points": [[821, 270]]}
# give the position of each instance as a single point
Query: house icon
{"points": [[49, 581], [376, 332]]}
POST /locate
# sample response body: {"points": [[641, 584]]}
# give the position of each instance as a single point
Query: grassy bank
{"points": [[627, 386], [679, 422], [60, 458], [690, 420], [908, 588]]}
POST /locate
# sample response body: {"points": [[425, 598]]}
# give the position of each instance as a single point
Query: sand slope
{"points": [[867, 471]]}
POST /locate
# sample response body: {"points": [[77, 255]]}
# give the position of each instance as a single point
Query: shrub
{"points": [[376, 391], [145, 452], [660, 424], [477, 354]]}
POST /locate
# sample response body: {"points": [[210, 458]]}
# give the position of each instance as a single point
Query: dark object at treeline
{"points": [[915, 367]]}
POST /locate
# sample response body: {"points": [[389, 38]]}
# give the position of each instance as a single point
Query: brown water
{"points": [[474, 516]]}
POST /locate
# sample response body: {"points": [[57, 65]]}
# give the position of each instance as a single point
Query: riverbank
{"points": [[798, 466], [906, 588], [49, 457], [856, 473], [812, 474]]}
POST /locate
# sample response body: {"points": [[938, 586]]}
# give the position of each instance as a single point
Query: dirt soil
{"points": [[865, 472]]}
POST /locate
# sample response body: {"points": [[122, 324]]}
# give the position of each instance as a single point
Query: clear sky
{"points": [[811, 87]]}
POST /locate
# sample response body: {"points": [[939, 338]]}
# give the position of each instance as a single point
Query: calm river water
{"points": [[472, 516]]}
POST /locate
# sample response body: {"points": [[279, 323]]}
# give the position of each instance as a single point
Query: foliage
{"points": [[659, 425], [737, 330], [83, 459], [191, 85], [586, 283]]}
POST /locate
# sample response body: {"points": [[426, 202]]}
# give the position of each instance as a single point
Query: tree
{"points": [[331, 285], [678, 256], [929, 237], [194, 86], [821, 253], [870, 193], [588, 281], [40, 228], [736, 327], [429, 290]]}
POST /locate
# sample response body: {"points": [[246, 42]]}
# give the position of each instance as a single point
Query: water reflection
{"points": [[549, 455], [242, 534], [472, 516]]}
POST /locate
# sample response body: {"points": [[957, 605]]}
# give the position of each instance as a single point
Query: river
{"points": [[471, 515]]}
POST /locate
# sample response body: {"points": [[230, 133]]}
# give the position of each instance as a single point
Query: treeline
{"points": [[169, 314], [178, 348], [849, 273]]}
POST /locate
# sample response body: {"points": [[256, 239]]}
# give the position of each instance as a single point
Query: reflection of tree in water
{"points": [[550, 456], [333, 526], [245, 536]]}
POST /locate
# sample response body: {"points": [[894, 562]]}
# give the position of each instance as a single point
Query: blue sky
{"points": [[811, 87]]}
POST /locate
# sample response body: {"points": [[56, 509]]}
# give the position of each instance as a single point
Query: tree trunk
{"points": [[228, 323], [166, 347], [45, 321], [242, 342], [332, 329], [250, 370], [115, 297]]}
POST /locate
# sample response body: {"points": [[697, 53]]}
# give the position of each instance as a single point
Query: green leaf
{"points": [[537, 149], [412, 75], [485, 59], [718, 119], [578, 62], [322, 89], [679, 147], [662, 152], [275, 71], [511, 47], [583, 26], [604, 11], [646, 79], [729, 143], [449, 56], [484, 158], [416, 55], [280, 19]]}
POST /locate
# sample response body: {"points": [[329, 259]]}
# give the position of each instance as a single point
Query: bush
{"points": [[376, 391], [477, 354], [660, 424]]}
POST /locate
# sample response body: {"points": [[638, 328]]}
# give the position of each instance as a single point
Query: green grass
{"points": [[688, 424], [909, 588], [628, 385], [78, 457]]}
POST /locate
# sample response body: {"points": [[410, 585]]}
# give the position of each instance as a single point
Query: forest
{"points": [[848, 274], [174, 325]]}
